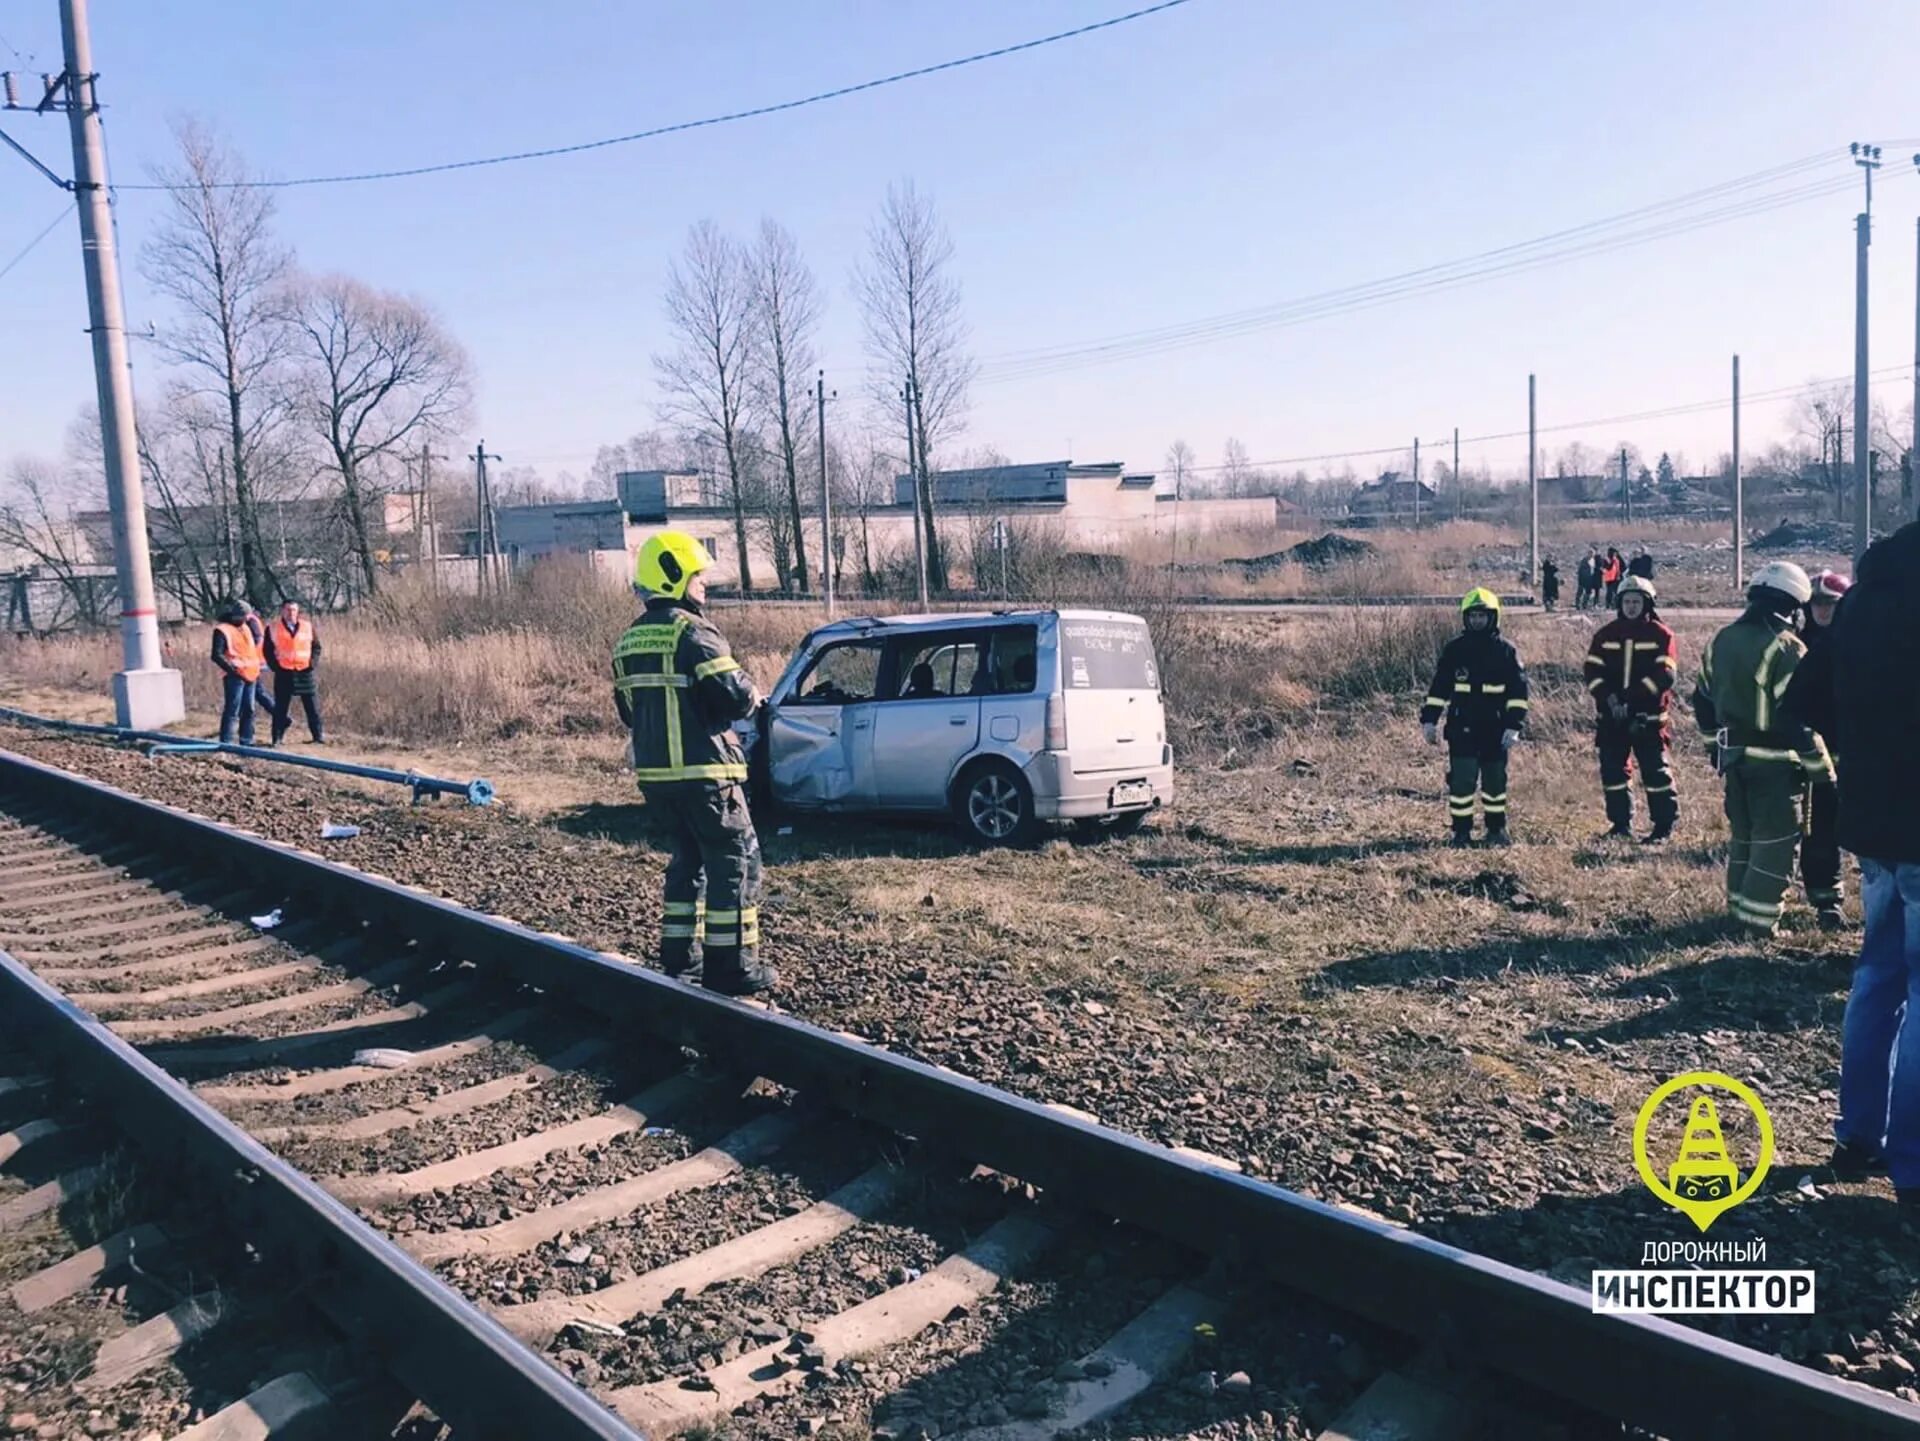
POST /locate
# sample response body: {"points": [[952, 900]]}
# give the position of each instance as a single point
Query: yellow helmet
{"points": [[1479, 598], [667, 562]]}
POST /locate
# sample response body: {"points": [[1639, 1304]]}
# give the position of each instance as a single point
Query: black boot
{"points": [[1462, 836], [1619, 813], [1497, 833]]}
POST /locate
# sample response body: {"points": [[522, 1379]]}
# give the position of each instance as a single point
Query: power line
{"points": [[655, 132], [1394, 288], [1696, 407], [28, 248]]}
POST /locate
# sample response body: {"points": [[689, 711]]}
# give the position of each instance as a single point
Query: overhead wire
{"points": [[679, 127], [1392, 289], [28, 248]]}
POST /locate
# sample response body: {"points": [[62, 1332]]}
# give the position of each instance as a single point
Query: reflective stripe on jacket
{"points": [[1744, 674], [242, 653], [1635, 660], [1480, 686], [679, 690]]}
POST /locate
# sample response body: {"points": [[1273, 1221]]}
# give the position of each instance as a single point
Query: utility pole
{"points": [[1458, 499], [1416, 482], [146, 695], [426, 527], [1533, 492], [1867, 157], [826, 501], [913, 479], [483, 531], [1739, 495], [1626, 487]]}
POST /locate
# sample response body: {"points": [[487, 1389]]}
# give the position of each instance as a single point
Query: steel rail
{"points": [[478, 792], [1645, 1370], [474, 1375]]}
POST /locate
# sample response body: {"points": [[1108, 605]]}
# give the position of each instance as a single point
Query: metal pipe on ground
{"points": [[477, 792]]}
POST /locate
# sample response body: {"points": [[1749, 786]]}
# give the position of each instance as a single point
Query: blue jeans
{"points": [[237, 708], [1879, 1051]]}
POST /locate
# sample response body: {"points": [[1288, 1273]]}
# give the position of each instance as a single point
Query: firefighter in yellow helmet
{"points": [[679, 690], [1767, 755], [1481, 688]]}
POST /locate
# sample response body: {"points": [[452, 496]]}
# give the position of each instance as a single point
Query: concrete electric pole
{"points": [[1533, 492], [146, 695], [1739, 495], [1867, 157], [826, 499], [485, 541]]}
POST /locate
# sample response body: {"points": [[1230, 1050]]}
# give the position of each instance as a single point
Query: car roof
{"points": [[873, 624]]}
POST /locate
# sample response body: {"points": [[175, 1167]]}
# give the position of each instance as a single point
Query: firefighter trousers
{"points": [[1764, 814], [712, 882], [1481, 772], [1820, 853], [1622, 745]]}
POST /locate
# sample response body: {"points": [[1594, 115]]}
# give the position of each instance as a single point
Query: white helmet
{"points": [[1785, 577]]}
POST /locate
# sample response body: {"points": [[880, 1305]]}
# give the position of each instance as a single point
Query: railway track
{"points": [[483, 1145]]}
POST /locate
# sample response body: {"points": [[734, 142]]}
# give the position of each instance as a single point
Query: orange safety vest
{"points": [[293, 648], [243, 651]]}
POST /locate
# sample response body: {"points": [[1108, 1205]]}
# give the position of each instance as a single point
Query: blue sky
{"points": [[1219, 156]]}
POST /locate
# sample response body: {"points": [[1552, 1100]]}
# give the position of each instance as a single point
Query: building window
{"points": [[713, 549]]}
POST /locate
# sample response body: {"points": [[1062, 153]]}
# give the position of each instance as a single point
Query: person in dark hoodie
{"points": [[1480, 687], [1876, 714]]}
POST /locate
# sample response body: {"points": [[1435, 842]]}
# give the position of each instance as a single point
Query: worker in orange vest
{"points": [[293, 651], [237, 651]]}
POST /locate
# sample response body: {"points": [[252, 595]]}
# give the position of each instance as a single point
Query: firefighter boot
{"points": [[1497, 831], [1619, 810]]}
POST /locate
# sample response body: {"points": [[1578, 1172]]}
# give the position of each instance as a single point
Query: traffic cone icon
{"points": [[1703, 1170]]}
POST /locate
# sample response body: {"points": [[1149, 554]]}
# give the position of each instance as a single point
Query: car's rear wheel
{"points": [[994, 804]]}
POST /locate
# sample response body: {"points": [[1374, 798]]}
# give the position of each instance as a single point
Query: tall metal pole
{"points": [[826, 501], [1862, 484], [1913, 450], [1533, 492], [146, 695], [1739, 495]]}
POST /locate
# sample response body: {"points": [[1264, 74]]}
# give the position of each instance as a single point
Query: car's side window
{"points": [[841, 675], [1012, 662], [937, 666]]}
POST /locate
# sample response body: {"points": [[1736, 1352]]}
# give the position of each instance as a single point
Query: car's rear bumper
{"points": [[1062, 795]]}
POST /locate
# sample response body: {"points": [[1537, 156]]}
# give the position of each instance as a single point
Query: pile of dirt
{"points": [[1807, 535], [1328, 550]]}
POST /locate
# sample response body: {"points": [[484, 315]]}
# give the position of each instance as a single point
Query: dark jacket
{"points": [[1481, 688], [1641, 565], [1876, 698], [1809, 697], [679, 690], [1549, 580], [1634, 660]]}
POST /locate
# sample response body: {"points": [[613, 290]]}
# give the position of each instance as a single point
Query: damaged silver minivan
{"points": [[1009, 721]]}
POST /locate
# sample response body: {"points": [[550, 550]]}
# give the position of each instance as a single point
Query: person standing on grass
{"points": [[1765, 755], [1809, 702], [293, 654], [1611, 572], [1631, 669], [679, 691], [1549, 584], [1641, 565], [1583, 575], [262, 702], [1480, 687], [237, 652], [1876, 714]]}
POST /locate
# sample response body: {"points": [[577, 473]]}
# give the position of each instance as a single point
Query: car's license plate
{"points": [[1131, 793]]}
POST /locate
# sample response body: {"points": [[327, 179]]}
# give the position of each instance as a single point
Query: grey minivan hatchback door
{"points": [[931, 722]]}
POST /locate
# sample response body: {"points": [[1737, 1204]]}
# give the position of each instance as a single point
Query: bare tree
{"points": [[36, 525], [786, 303], [1822, 417], [1236, 468], [375, 374], [911, 304], [706, 378], [644, 450], [215, 257]]}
